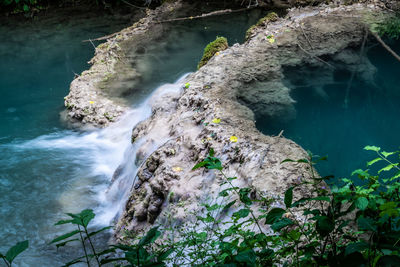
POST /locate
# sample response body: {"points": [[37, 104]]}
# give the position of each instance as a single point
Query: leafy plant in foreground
{"points": [[14, 251], [81, 234], [139, 254], [355, 222]]}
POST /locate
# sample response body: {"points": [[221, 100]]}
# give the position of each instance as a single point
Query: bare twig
{"points": [[129, 4], [214, 13], [314, 56], [92, 44], [102, 38], [308, 40]]}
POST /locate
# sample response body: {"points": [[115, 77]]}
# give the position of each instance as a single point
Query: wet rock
{"points": [[96, 97]]}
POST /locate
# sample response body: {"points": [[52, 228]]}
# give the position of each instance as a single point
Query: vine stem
{"points": [[83, 245], [91, 245], [8, 264]]}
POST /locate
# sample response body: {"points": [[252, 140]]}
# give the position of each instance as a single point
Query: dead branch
{"points": [[214, 13], [378, 38], [308, 40], [314, 56]]}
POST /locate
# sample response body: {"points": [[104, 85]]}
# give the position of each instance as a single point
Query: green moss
{"points": [[221, 43], [271, 16]]}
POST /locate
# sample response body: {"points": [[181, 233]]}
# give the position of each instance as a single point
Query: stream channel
{"points": [[48, 169]]}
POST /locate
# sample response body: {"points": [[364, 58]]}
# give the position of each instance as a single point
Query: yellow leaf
{"points": [[233, 139], [177, 169], [187, 85], [271, 40], [216, 120], [91, 102], [217, 53], [209, 138]]}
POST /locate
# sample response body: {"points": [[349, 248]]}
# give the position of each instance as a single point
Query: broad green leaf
{"points": [[163, 256], [104, 261], [65, 236], [360, 173], [66, 242], [16, 250], [199, 165], [287, 160], [372, 148], [314, 212], [304, 200], [274, 215], [248, 257], [64, 222], [387, 154], [325, 225], [106, 251], [86, 216], [243, 213], [150, 237], [227, 206], [278, 225], [356, 247], [361, 203], [387, 168], [369, 163], [289, 197], [98, 231], [366, 224], [77, 260], [243, 195], [389, 209], [302, 161], [211, 152]]}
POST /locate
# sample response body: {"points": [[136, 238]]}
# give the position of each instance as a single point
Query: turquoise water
{"points": [[47, 169], [327, 127]]}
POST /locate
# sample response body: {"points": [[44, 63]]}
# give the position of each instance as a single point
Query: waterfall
{"points": [[106, 159]]}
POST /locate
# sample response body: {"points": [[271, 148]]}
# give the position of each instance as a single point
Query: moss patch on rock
{"points": [[220, 44], [270, 17]]}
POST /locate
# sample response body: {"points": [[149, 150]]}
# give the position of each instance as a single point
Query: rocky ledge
{"points": [[94, 99], [220, 103]]}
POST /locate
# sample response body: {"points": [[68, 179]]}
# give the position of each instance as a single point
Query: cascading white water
{"points": [[109, 156]]}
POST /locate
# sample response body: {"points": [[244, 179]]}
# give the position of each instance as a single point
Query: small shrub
{"points": [[220, 44], [390, 28]]}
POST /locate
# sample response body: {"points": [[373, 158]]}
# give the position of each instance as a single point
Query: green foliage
{"points": [[136, 254], [219, 44], [14, 251], [390, 27], [81, 234], [19, 6], [356, 222], [270, 17]]}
